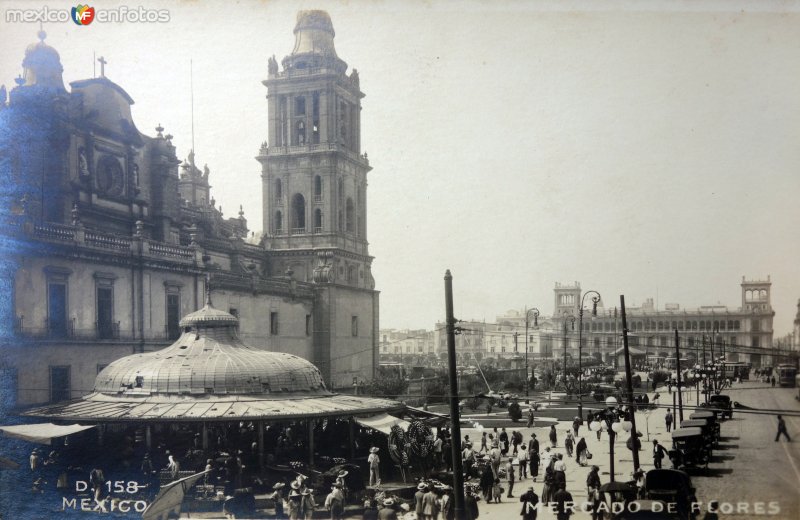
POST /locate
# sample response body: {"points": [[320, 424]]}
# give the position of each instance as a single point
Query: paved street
{"points": [[749, 468]]}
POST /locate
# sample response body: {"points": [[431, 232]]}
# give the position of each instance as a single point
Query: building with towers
{"points": [[108, 238]]}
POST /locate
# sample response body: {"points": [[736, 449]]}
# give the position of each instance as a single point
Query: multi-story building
{"points": [[413, 346], [107, 238], [743, 334]]}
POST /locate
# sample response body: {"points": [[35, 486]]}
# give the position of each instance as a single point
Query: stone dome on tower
{"points": [[314, 34], [42, 65]]}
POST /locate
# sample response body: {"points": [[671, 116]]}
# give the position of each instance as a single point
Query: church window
{"points": [[278, 222], [60, 387], [317, 221], [300, 106], [104, 294], [298, 213], [317, 188], [278, 190], [273, 323], [354, 326], [173, 313], [315, 118], [351, 274], [349, 215]]}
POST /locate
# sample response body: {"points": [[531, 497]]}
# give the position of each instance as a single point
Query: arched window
{"points": [[298, 213], [351, 274], [317, 189], [317, 221], [278, 190], [278, 223], [349, 215]]}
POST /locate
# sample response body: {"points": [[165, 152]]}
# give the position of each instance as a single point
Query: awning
{"points": [[158, 408], [41, 433], [383, 422], [170, 498]]}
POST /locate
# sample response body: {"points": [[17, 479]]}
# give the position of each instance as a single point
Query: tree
{"points": [[659, 376], [390, 387], [515, 411]]}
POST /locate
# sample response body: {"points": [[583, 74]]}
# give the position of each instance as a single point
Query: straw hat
{"points": [[374, 450], [388, 502], [342, 474], [279, 485], [421, 486]]}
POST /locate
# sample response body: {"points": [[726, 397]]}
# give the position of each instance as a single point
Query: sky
{"points": [[641, 148]]}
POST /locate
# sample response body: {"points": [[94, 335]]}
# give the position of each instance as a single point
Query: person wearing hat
{"points": [[529, 500], [468, 456], [563, 499], [277, 497], [387, 512], [576, 425], [307, 503], [35, 459], [569, 443], [430, 504], [658, 453], [374, 467], [293, 501], [341, 483], [418, 497], [334, 502], [593, 492]]}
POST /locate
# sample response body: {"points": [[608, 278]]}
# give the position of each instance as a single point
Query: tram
{"points": [[786, 375]]}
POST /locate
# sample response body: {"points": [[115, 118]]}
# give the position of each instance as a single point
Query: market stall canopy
{"points": [[210, 374], [42, 433], [170, 498], [383, 422]]}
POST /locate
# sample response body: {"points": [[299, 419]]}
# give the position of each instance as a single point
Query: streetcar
{"points": [[734, 369], [786, 375]]}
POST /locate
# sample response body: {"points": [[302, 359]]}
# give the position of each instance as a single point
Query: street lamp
{"points": [[567, 316], [609, 420], [528, 313], [595, 301]]}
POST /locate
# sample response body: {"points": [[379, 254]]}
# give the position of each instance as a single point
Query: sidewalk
{"points": [[650, 423]]}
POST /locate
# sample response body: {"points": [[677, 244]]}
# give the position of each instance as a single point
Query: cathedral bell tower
{"points": [[314, 176], [314, 189]]}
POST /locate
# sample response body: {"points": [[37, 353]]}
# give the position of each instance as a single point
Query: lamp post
{"points": [[609, 420], [567, 316], [528, 313], [595, 300]]}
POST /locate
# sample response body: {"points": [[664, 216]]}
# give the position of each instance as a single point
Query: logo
{"points": [[83, 14]]}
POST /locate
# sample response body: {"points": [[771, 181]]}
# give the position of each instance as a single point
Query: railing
{"points": [[107, 330], [317, 229], [107, 241], [317, 198], [159, 249], [54, 232], [299, 231]]}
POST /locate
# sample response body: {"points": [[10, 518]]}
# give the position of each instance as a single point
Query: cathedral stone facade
{"points": [[108, 238]]}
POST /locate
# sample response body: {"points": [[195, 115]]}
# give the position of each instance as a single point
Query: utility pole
{"points": [[678, 364], [458, 475], [634, 432]]}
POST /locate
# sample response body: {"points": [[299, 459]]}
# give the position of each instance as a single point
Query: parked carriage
{"points": [[689, 448], [670, 486]]}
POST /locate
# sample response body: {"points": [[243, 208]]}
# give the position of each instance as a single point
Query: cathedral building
{"points": [[107, 237]]}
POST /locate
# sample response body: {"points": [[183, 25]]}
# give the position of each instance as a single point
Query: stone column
{"points": [[311, 423], [260, 425]]}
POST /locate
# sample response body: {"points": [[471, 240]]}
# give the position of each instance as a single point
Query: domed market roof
{"points": [[210, 374], [209, 359]]}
